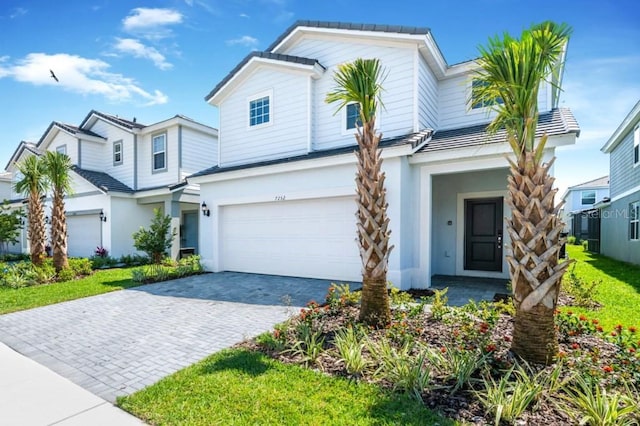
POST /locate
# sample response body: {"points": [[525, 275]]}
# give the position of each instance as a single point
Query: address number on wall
{"points": [[280, 197]]}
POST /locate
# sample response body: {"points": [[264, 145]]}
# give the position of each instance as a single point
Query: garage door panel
{"points": [[308, 238], [83, 235]]}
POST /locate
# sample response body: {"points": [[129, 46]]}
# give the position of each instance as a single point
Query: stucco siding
{"points": [[286, 132], [624, 176], [614, 231]]}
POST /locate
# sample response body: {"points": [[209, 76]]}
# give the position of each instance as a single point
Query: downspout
{"points": [[135, 162], [179, 151], [79, 153]]}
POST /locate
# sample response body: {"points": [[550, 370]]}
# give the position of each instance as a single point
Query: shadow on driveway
{"points": [[239, 287]]}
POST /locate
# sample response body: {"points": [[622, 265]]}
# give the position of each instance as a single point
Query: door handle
{"points": [[499, 240]]}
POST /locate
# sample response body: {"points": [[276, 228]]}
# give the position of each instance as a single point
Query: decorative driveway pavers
{"points": [[117, 343]]}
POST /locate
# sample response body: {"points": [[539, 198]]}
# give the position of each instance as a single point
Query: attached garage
{"points": [[313, 238], [83, 234]]}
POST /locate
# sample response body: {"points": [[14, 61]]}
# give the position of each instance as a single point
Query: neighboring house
{"points": [[121, 171], [578, 206], [5, 186], [280, 199], [620, 216]]}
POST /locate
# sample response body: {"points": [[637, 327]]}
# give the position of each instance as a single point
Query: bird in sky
{"points": [[54, 76]]}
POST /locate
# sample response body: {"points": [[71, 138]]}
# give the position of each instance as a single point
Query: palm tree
{"points": [[511, 72], [33, 184], [57, 167], [360, 82]]}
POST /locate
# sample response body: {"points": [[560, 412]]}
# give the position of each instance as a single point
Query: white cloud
{"points": [[245, 40], [134, 48], [79, 75], [18, 12], [244, 15], [151, 23]]}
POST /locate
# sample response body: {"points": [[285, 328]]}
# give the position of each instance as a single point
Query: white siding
{"points": [[70, 143], [199, 151], [98, 156], [395, 119], [286, 133], [427, 96], [147, 178]]}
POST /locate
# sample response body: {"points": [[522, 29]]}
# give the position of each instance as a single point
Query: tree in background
{"points": [[10, 226]]}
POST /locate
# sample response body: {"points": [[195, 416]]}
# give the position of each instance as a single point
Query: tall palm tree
{"points": [[57, 167], [360, 82], [33, 184], [512, 70]]}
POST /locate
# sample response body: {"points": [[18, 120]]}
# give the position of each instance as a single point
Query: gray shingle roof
{"points": [[413, 139], [601, 182], [102, 180], [68, 128], [129, 124], [400, 29], [265, 55], [556, 122]]}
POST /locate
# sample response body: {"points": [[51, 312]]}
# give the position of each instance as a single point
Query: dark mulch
{"points": [[461, 405]]}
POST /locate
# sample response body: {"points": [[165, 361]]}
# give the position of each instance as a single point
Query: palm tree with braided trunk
{"points": [[359, 82], [512, 70], [33, 184], [57, 166]]}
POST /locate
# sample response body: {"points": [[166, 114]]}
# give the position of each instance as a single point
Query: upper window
{"points": [[159, 152], [62, 149], [588, 197], [475, 86], [259, 111], [353, 116], [636, 146], [634, 220], [117, 153]]}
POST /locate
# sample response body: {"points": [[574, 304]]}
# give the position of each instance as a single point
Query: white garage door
{"points": [[304, 238], [83, 235]]}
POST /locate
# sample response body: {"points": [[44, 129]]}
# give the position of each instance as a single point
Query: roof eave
{"points": [[627, 124]]}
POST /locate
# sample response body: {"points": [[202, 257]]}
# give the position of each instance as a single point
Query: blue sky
{"points": [[155, 59]]}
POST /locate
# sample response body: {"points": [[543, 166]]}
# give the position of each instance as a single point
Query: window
{"points": [[353, 116], [588, 197], [259, 111], [475, 86], [634, 220], [636, 146], [62, 149], [117, 153], [159, 152]]}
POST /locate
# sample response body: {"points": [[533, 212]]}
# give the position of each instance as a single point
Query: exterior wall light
{"points": [[103, 217], [205, 210]]}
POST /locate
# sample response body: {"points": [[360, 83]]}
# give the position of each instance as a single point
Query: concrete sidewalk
{"points": [[33, 395]]}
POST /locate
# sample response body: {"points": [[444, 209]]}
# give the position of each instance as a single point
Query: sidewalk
{"points": [[32, 395]]}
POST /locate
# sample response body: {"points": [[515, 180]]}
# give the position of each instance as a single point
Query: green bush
{"points": [[167, 270], [80, 266], [66, 274], [585, 245], [571, 239], [156, 240]]}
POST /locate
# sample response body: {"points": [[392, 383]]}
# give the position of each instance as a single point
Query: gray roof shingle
{"points": [[128, 124], [556, 122], [102, 180], [68, 128], [265, 55]]}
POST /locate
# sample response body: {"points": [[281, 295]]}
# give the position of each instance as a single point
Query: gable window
{"points": [[476, 85], [588, 197], [636, 146], [634, 220], [159, 147], [353, 116], [117, 153], [62, 149], [260, 111]]}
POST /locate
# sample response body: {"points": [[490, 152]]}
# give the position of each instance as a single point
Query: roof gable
{"points": [[627, 125], [93, 115]]}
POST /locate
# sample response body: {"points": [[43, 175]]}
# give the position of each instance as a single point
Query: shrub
{"points": [[101, 252], [582, 291], [349, 344], [340, 295], [66, 274], [161, 272], [571, 239], [99, 262], [585, 245], [80, 266], [156, 240]]}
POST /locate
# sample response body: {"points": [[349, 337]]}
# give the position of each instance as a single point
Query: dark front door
{"points": [[483, 234]]}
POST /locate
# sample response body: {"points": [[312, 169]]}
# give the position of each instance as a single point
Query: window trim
{"points": [[115, 162], [635, 205], [153, 153], [62, 149], [635, 153], [595, 194], [483, 106], [265, 94]]}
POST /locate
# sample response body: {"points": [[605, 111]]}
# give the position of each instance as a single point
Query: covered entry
{"points": [[312, 238]]}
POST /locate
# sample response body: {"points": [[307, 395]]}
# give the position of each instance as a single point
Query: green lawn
{"points": [[239, 387], [102, 281], [619, 291]]}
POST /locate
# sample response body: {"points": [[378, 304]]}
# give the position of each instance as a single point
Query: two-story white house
{"points": [[281, 196], [579, 201], [620, 216], [122, 170]]}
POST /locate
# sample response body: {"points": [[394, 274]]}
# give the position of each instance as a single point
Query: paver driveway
{"points": [[117, 343]]}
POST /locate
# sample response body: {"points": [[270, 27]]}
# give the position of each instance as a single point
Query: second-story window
{"points": [[476, 85], [634, 221], [588, 197], [260, 111], [353, 116], [117, 153], [62, 149], [636, 146], [159, 147]]}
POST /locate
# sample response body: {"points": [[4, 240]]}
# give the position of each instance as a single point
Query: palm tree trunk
{"points": [[534, 228], [373, 228], [59, 233], [37, 231]]}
